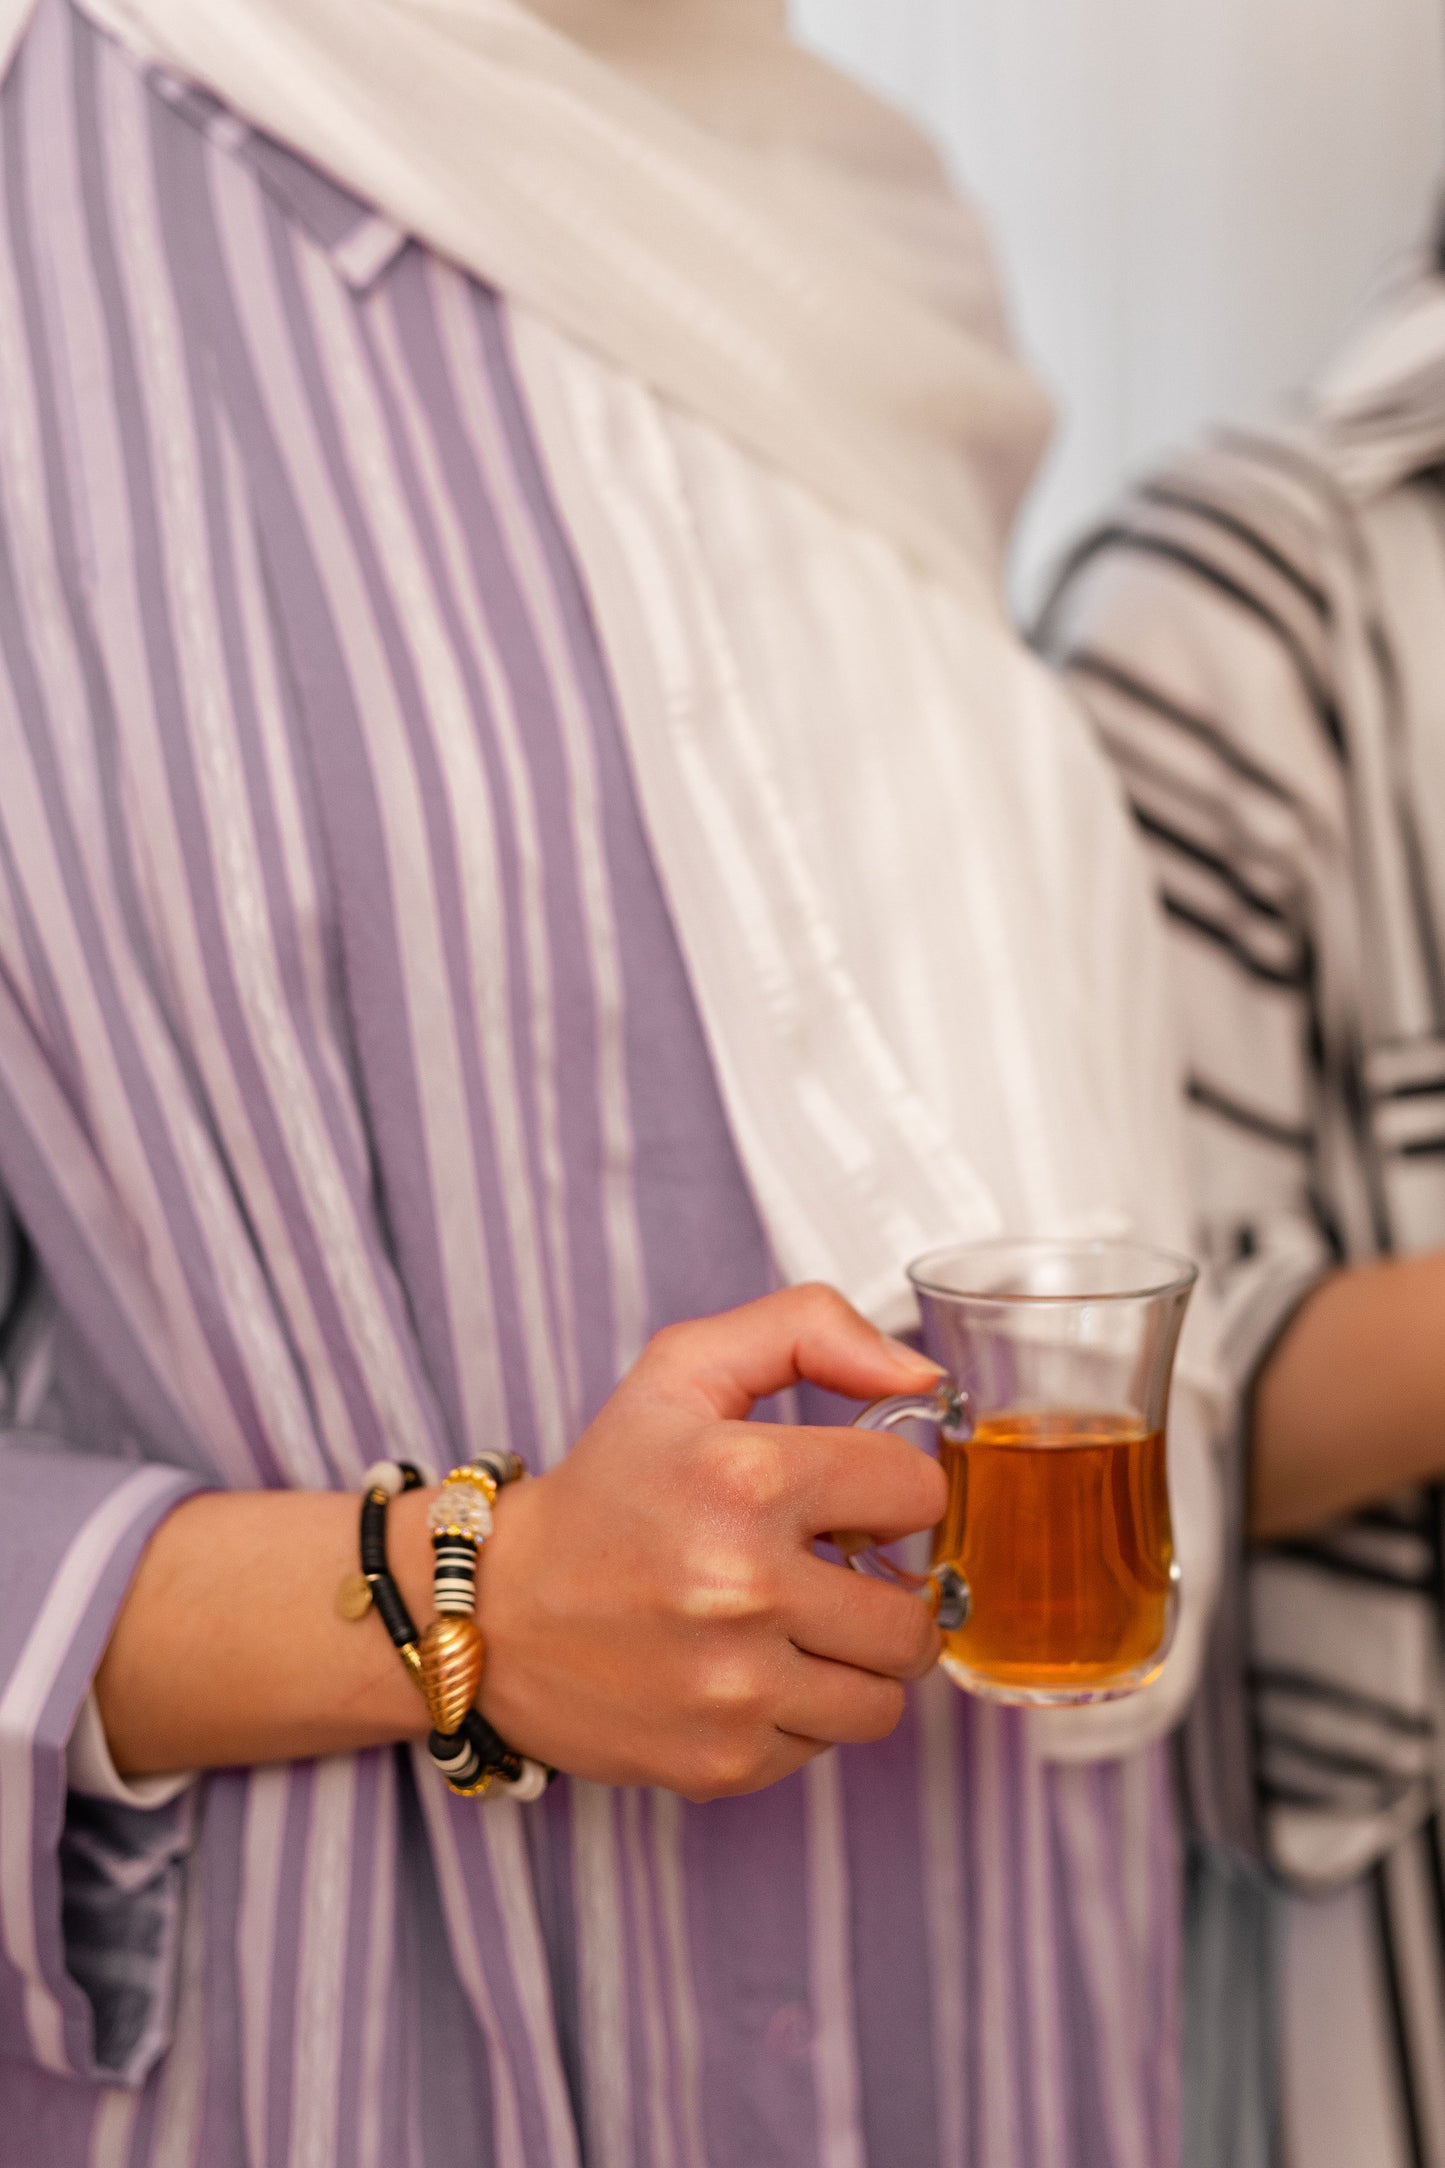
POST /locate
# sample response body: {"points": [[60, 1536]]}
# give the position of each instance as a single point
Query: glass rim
{"points": [[1176, 1274]]}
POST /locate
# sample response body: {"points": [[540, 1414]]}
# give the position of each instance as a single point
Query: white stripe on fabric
{"points": [[1053, 1164], [180, 2078], [239, 887], [17, 963], [602, 1977], [1102, 1962], [108, 1103], [472, 1970], [1137, 1816], [381, 1958], [943, 1836], [1420, 1971], [302, 890], [670, 654], [553, 1325], [113, 2128], [605, 1984], [988, 1836], [59, 1618], [316, 2061], [1044, 1984], [268, 1792], [433, 1021], [500, 1821], [229, 1252], [830, 1970], [331, 1205], [1341, 2099], [662, 2142], [476, 400], [481, 900], [430, 1020], [102, 1227], [817, 639], [681, 1980], [78, 328]]}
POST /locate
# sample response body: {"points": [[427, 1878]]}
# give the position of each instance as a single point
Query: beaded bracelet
{"points": [[446, 1661]]}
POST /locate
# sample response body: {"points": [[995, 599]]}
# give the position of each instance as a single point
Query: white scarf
{"points": [[738, 274], [765, 356]]}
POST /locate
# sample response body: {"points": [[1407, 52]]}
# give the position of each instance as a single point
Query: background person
{"points": [[1260, 633]]}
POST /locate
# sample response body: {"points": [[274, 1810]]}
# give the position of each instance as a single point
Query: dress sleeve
{"points": [[1200, 646], [90, 1890]]}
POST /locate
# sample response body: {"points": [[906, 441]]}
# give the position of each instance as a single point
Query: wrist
{"points": [[501, 1581]]}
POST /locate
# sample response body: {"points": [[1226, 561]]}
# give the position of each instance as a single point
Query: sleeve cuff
{"points": [[90, 1768], [1219, 1745], [75, 1527]]}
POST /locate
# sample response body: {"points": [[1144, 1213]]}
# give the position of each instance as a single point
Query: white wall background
{"points": [[1192, 198]]}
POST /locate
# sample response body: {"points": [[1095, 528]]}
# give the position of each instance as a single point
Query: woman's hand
{"points": [[653, 1609]]}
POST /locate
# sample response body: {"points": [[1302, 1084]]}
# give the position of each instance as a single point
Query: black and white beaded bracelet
{"points": [[446, 1661]]}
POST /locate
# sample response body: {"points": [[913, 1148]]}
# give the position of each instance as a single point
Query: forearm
{"points": [[1351, 1406], [653, 1608], [229, 1648]]}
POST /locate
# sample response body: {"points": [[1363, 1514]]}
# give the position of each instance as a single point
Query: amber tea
{"points": [[1058, 1521], [1053, 1576]]}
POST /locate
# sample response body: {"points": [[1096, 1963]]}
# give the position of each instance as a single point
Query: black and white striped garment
{"points": [[1260, 633]]}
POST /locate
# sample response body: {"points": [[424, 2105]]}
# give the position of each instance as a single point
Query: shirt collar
{"points": [[1382, 405], [359, 242]]}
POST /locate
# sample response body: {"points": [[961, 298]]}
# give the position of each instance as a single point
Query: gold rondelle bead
{"points": [[451, 1669], [475, 1791], [353, 1598], [478, 1478]]}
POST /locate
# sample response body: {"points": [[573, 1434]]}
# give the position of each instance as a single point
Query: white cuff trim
{"points": [[89, 1767]]}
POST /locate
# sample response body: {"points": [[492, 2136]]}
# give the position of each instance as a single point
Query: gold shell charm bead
{"points": [[451, 1669]]}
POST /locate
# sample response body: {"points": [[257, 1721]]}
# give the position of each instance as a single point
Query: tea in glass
{"points": [[1058, 1521], [1053, 1576]]}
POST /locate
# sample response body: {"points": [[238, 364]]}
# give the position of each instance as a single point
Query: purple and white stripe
{"points": [[354, 1101]]}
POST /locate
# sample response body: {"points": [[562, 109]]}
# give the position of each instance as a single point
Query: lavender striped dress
{"points": [[352, 1099]]}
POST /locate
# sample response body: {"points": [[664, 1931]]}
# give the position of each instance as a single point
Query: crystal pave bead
{"points": [[463, 1506], [451, 1670]]}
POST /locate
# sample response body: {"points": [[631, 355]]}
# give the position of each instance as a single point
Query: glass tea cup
{"points": [[1053, 1575]]}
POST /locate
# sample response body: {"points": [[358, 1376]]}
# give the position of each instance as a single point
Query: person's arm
{"points": [[1317, 1730], [653, 1609], [1218, 746], [1351, 1405]]}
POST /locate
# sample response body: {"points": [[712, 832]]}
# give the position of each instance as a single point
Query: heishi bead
{"points": [[458, 1761], [455, 1587], [529, 1785], [373, 1534]]}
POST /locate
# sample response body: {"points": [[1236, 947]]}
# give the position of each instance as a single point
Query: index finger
{"points": [[801, 1334]]}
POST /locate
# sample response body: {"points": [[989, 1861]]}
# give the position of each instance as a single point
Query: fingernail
{"points": [[914, 1357]]}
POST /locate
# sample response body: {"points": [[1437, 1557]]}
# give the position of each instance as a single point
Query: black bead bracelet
{"points": [[375, 1571], [473, 1757]]}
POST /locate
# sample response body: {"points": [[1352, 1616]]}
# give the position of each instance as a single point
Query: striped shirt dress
{"points": [[1259, 632], [353, 1099]]}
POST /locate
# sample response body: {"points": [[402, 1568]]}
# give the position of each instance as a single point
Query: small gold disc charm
{"points": [[353, 1598]]}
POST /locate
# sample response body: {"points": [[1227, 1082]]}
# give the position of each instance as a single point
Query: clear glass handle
{"points": [[944, 1589]]}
